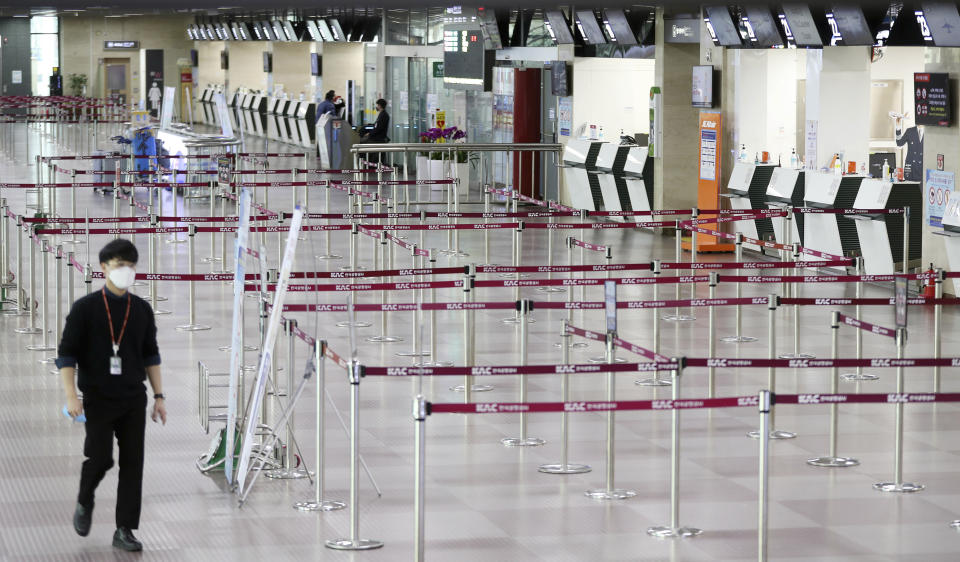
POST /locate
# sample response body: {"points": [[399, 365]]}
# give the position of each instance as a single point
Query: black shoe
{"points": [[123, 539], [81, 520]]}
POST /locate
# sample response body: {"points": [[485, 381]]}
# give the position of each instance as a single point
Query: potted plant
{"points": [[446, 163], [78, 83]]}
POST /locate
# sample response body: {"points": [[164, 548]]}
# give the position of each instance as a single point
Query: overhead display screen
{"points": [[620, 27], [764, 27], [801, 25], [464, 60], [727, 34], [559, 27], [931, 92], [852, 25], [587, 23], [944, 23]]}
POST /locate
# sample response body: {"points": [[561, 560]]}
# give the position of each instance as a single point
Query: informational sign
{"points": [[709, 142], [404, 100], [433, 103], [900, 301], [939, 186], [153, 73], [239, 277], [438, 69], [931, 104], [266, 355], [224, 172], [16, 77], [810, 145], [120, 45], [610, 304], [565, 115], [441, 118]]}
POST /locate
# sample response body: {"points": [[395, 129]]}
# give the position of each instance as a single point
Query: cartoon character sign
{"points": [[913, 139], [154, 95]]}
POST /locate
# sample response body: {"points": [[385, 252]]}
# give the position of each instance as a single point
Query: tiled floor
{"points": [[485, 501]]}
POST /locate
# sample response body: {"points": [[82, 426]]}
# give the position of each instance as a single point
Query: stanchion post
{"points": [[898, 485], [655, 380], [937, 322], [354, 542], [712, 337], [772, 302], [32, 298], [832, 460], [766, 402], [524, 307], [564, 466], [44, 305], [738, 337], [192, 325], [858, 375], [906, 240], [288, 469], [796, 316], [420, 410], [674, 529]]}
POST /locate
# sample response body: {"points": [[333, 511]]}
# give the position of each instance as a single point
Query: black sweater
{"points": [[380, 128], [86, 345]]}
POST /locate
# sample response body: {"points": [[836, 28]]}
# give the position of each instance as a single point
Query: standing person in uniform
{"points": [[380, 128], [110, 344]]}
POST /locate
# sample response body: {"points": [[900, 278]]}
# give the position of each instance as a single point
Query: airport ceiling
{"points": [[227, 7]]}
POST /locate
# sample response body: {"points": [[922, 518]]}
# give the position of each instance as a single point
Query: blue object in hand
{"points": [[80, 419]]}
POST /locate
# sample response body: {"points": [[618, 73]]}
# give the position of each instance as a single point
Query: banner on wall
{"points": [[939, 187], [565, 115], [708, 180]]}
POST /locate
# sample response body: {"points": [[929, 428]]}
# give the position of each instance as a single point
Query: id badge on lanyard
{"points": [[115, 366]]}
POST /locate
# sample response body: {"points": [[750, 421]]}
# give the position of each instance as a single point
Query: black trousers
{"points": [[126, 419]]}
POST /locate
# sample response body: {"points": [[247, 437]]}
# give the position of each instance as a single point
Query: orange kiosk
{"points": [[708, 182]]}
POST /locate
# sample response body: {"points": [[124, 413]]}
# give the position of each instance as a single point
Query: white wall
{"points": [[842, 108], [291, 68], [612, 93]]}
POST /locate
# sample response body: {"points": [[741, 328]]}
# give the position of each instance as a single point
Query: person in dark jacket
{"points": [[380, 128], [110, 344], [327, 105]]}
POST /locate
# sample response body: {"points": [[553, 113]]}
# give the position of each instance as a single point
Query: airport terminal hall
{"points": [[672, 281]]}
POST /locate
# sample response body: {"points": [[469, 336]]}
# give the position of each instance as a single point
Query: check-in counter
{"points": [[583, 185], [638, 176], [236, 110], [271, 117], [747, 189], [290, 116], [258, 115], [306, 123], [834, 234], [786, 190], [881, 235], [207, 109], [620, 190]]}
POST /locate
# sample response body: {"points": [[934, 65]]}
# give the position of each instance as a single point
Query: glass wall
{"points": [[45, 53]]}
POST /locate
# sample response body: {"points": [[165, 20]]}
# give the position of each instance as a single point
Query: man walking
{"points": [[110, 344]]}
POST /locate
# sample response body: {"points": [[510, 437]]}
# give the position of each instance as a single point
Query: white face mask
{"points": [[122, 277]]}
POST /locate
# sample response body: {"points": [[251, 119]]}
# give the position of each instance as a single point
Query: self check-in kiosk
{"points": [[290, 117], [258, 114], [786, 190], [334, 138], [881, 235], [271, 116], [583, 185], [613, 190], [747, 189], [206, 106], [830, 233], [638, 176], [306, 123], [236, 110], [951, 236]]}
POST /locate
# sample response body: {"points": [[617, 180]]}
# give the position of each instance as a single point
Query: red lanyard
{"points": [[126, 316]]}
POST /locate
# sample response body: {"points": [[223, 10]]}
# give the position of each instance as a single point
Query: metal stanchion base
{"points": [[577, 345], [349, 544], [47, 361], [551, 289], [522, 442], [773, 434], [40, 347], [955, 524], [434, 364], [833, 462], [455, 253], [245, 348], [560, 468], [902, 487], [512, 275], [325, 505], [350, 268], [249, 368], [604, 360], [28, 331], [857, 377], [473, 388], [328, 257], [412, 354], [193, 328], [161, 299], [73, 241], [679, 317], [652, 382], [672, 532], [351, 324], [174, 240], [516, 320], [160, 312], [209, 259], [287, 474], [797, 356], [384, 339], [738, 339], [614, 494]]}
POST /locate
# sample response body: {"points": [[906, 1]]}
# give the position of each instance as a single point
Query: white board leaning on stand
{"points": [[266, 357], [239, 276]]}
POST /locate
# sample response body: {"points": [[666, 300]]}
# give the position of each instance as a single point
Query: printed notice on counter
{"points": [[810, 145], [565, 115], [939, 187], [16, 77]]}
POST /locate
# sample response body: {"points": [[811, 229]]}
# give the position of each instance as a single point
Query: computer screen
{"points": [[702, 95]]}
